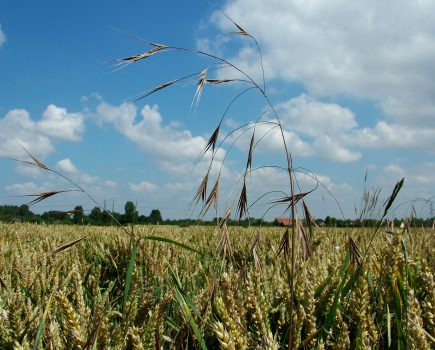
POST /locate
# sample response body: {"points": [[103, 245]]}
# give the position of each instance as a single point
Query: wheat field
{"points": [[72, 287]]}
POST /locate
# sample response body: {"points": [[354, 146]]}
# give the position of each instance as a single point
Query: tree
{"points": [[23, 211], [155, 217], [55, 217], [131, 214], [96, 216], [330, 221], [78, 214]]}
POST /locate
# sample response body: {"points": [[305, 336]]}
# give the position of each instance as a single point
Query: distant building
{"points": [[284, 222]]}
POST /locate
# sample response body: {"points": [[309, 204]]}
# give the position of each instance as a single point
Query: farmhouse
{"points": [[285, 222]]}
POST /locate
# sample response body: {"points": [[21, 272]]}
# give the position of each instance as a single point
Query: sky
{"points": [[352, 85]]}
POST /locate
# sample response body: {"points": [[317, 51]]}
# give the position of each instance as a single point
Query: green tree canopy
{"points": [[155, 217], [96, 216], [78, 215], [131, 215]]}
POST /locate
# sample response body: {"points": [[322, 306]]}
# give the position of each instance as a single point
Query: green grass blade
{"points": [[42, 323], [370, 282], [185, 309], [187, 306], [130, 270], [132, 262], [170, 241], [388, 327], [344, 272], [322, 287], [350, 283]]}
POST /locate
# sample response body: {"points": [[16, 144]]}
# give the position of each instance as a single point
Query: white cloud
{"points": [[394, 169], [24, 188], [377, 50], [67, 166], [311, 128], [335, 129], [28, 170], [273, 141], [144, 186], [393, 135], [417, 190], [78, 176], [110, 184], [312, 117], [420, 175], [277, 180], [17, 128], [166, 144], [2, 36], [268, 138], [58, 123], [325, 122], [231, 123], [329, 149], [178, 186]]}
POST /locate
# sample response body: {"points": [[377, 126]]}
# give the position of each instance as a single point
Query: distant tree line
{"points": [[97, 216], [413, 222]]}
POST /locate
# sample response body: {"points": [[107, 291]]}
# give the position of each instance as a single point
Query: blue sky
{"points": [[352, 83]]}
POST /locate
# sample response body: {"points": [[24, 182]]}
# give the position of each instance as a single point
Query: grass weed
{"points": [[137, 287]]}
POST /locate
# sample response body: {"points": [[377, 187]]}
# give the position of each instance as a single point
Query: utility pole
{"points": [[113, 209]]}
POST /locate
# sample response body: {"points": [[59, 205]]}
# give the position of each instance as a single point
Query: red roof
{"points": [[282, 221]]}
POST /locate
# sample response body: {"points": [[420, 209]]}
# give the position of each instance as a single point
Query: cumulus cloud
{"points": [[165, 143], [78, 176], [144, 186], [394, 169], [421, 176], [268, 138], [334, 130], [325, 123], [177, 186], [25, 188], [311, 128], [110, 184], [312, 117], [417, 191], [329, 149], [28, 170], [359, 49], [393, 135], [2, 36], [58, 123], [425, 175], [16, 128], [67, 166], [277, 180]]}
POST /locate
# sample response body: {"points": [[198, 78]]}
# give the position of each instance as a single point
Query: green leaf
{"points": [[344, 271], [170, 241], [388, 326], [41, 323], [171, 323], [370, 281], [322, 287], [186, 311], [349, 285], [130, 270], [131, 264], [397, 302]]}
